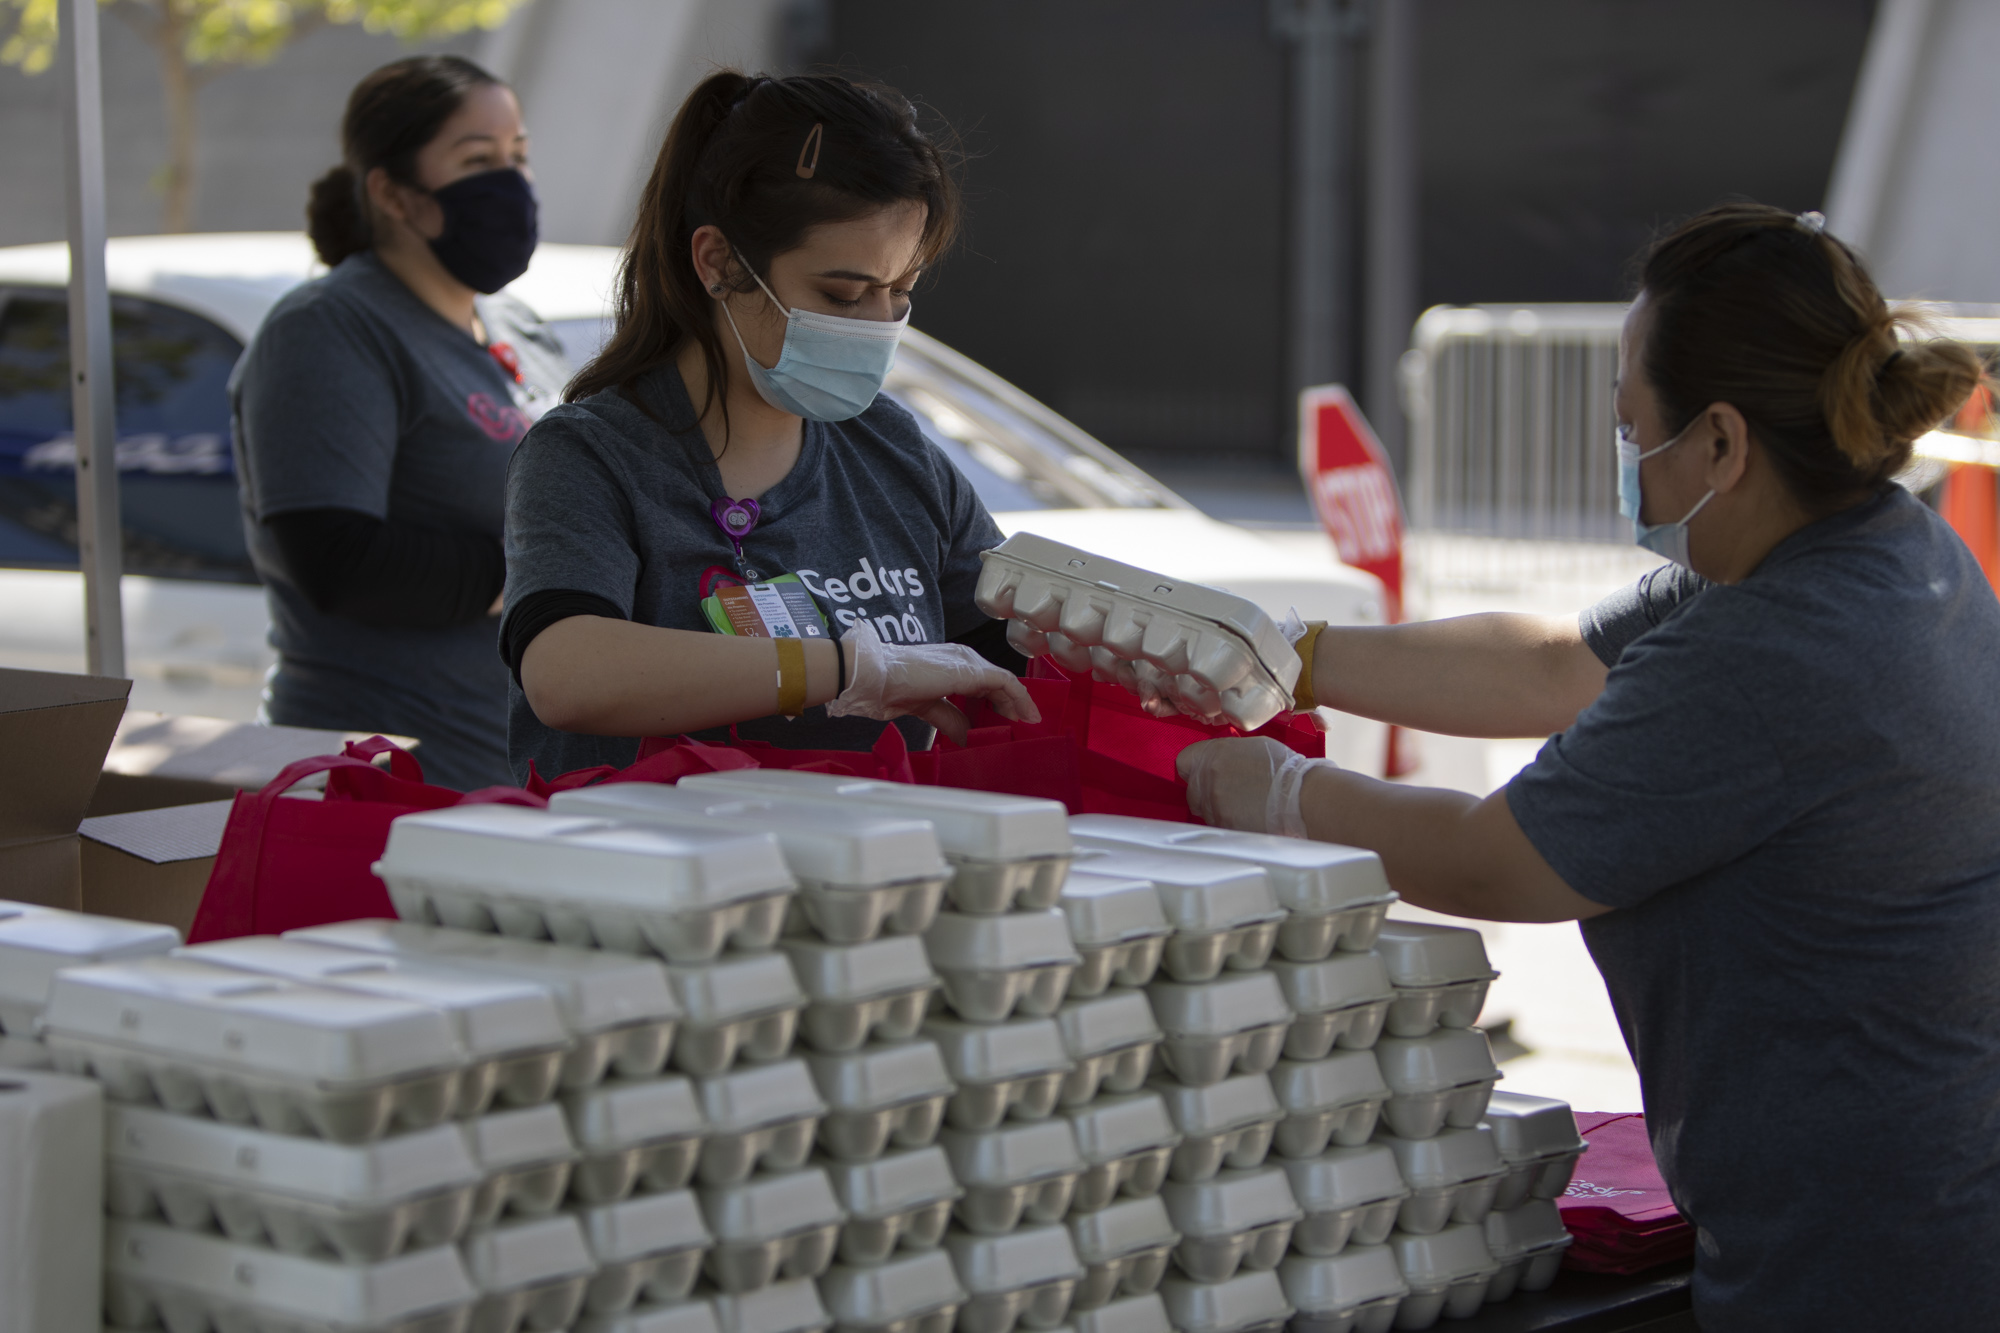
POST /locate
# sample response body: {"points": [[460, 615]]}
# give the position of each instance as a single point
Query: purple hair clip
{"points": [[736, 518]]}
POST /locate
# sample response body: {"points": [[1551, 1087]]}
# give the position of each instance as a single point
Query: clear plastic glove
{"points": [[891, 680], [1252, 784]]}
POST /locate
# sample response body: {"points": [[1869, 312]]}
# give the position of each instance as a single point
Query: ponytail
{"points": [[732, 158], [1754, 307]]}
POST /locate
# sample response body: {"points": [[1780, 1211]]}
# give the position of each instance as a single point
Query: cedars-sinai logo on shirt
{"points": [[501, 421]]}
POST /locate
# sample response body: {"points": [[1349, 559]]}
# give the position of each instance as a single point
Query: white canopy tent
{"points": [[99, 543]]}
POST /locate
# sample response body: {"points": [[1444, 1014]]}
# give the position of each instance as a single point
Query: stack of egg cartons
{"points": [[1440, 1074], [1002, 952], [36, 942], [1270, 1004], [869, 885], [737, 1115]]}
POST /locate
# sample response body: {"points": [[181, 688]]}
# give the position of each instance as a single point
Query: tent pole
{"points": [[93, 404]]}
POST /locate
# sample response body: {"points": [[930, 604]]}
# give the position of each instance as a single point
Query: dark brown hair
{"points": [[1756, 307], [390, 116], [766, 160]]}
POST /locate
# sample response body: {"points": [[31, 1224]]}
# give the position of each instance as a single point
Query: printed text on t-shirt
{"points": [[864, 585]]}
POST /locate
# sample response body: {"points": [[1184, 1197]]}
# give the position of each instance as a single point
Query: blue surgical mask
{"points": [[830, 368], [1667, 539]]}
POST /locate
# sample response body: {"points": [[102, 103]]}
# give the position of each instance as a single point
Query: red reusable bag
{"points": [[1617, 1205], [287, 863]]}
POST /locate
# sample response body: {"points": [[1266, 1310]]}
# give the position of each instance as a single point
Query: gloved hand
{"points": [[891, 680], [1249, 783]]}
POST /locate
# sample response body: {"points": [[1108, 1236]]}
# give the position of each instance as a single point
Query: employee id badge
{"points": [[779, 609]]}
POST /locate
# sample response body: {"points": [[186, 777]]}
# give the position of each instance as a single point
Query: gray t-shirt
{"points": [[356, 395], [873, 518], [1790, 790]]}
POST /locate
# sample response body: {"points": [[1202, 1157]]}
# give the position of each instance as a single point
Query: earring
{"points": [[715, 290]]}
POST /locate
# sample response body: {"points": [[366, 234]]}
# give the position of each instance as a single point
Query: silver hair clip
{"points": [[1814, 221]]}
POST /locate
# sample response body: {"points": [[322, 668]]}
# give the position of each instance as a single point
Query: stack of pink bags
{"points": [[1617, 1205]]}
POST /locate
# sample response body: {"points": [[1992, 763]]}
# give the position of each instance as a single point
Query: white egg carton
{"points": [[618, 1010], [1124, 1250], [683, 894], [362, 1203], [858, 875], [741, 1005], [525, 1161], [1014, 1175], [1341, 1000], [531, 1274], [1212, 652], [1027, 1277], [1131, 1314], [771, 1228], [1358, 1290], [793, 1306], [36, 942], [1251, 1302], [1226, 1124], [876, 990], [1528, 1243], [760, 1117], [1450, 1274], [690, 1316], [993, 967], [1234, 1219], [1335, 1100], [899, 1200], [1222, 913], [1014, 1068], [1005, 852], [1111, 1038], [1440, 974], [294, 1059], [195, 1283], [879, 1096], [914, 1293], [1452, 1178], [509, 1033], [1350, 1196], [1442, 1079], [1118, 928], [648, 1247], [634, 1134], [1538, 1141], [1334, 897], [1235, 1024], [1127, 1143]]}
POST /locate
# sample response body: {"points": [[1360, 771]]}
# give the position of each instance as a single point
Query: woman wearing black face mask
{"points": [[375, 412]]}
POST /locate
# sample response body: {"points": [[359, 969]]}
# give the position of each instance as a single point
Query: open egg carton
{"points": [[1212, 653]]}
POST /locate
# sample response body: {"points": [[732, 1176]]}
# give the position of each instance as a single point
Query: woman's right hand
{"points": [[891, 680]]}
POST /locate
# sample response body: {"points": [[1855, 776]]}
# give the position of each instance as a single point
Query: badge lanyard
{"points": [[737, 519]]}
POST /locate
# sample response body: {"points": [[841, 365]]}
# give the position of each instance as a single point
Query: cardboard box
{"points": [[151, 865], [161, 759], [54, 731]]}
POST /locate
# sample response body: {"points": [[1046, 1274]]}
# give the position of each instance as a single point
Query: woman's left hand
{"points": [[1250, 783]]}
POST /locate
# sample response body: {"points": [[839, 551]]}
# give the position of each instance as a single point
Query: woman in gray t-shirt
{"points": [[375, 411], [724, 526], [1774, 795]]}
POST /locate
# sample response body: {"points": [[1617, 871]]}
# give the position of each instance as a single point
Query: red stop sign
{"points": [[1352, 486]]}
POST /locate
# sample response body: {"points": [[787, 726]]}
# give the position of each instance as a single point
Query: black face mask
{"points": [[490, 228]]}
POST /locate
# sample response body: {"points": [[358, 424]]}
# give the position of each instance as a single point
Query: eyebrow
{"points": [[494, 139], [849, 275]]}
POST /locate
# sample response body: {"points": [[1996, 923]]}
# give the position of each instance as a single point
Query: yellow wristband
{"points": [[791, 676], [1302, 693]]}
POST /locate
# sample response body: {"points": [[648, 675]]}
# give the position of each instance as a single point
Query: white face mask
{"points": [[830, 369], [1667, 539]]}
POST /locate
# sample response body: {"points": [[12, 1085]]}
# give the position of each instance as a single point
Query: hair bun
{"points": [[334, 221]]}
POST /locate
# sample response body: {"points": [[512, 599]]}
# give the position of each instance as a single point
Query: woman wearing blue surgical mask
{"points": [[375, 411], [725, 526], [1772, 798]]}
